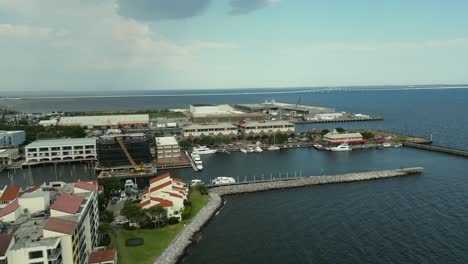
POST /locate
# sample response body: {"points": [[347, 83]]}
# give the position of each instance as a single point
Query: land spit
{"points": [[176, 249]]}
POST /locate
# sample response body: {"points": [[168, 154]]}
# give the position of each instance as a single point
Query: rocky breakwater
{"points": [[178, 246]]}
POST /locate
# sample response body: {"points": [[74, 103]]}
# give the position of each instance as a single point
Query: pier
{"points": [[450, 151], [338, 120], [177, 248]]}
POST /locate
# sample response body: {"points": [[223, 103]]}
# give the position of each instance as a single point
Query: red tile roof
{"points": [[178, 180], [102, 256], [162, 202], [32, 188], [10, 193], [178, 188], [165, 175], [85, 186], [160, 186], [145, 192], [10, 208], [175, 195], [67, 203], [60, 225], [4, 243], [145, 203]]}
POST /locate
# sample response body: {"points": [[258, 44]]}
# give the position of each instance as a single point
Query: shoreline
{"points": [[177, 249]]}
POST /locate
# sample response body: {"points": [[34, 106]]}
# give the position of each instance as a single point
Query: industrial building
{"points": [[12, 139], [68, 234], [284, 109], [221, 113], [61, 149], [266, 127], [104, 121], [111, 155], [218, 129], [167, 149], [335, 137], [8, 157]]}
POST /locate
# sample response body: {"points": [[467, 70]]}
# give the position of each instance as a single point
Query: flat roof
{"points": [[8, 132], [62, 141], [8, 151], [30, 234], [266, 123], [215, 125], [166, 141], [104, 120]]}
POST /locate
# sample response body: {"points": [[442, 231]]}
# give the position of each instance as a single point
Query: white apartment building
{"points": [[167, 149], [68, 236], [218, 129], [12, 138], [267, 127], [166, 192], [61, 149]]}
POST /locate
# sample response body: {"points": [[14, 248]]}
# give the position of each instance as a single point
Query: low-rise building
{"points": [[335, 137], [104, 121], [8, 156], [166, 192], [61, 149], [48, 123], [12, 138], [217, 129], [103, 257], [167, 149], [267, 127], [221, 113]]}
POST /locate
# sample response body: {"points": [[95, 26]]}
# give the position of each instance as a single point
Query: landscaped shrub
{"points": [[173, 221], [127, 226], [187, 212]]}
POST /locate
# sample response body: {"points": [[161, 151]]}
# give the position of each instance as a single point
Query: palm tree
{"points": [[157, 214]]}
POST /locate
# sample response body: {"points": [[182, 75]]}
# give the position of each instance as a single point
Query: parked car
{"points": [[122, 221], [114, 200]]}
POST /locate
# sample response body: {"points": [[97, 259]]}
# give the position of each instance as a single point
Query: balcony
{"points": [[55, 254]]}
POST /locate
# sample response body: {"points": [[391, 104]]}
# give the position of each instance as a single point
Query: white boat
{"points": [[398, 145], [258, 149], [318, 146], [250, 149], [195, 156], [243, 150], [386, 145], [196, 182], [223, 180], [201, 150], [198, 162], [341, 147], [273, 147], [199, 167]]}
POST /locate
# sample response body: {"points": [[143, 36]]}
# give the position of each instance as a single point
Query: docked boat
{"points": [[386, 145], [202, 150], [196, 182], [223, 180], [318, 146], [258, 149], [243, 150], [398, 145], [341, 147], [195, 156], [250, 149], [273, 147], [199, 167]]}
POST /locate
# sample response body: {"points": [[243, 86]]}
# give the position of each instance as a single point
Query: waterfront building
{"points": [[217, 129], [334, 137], [106, 120], [266, 127], [48, 123], [167, 149], [12, 139], [61, 149], [326, 116], [166, 192], [111, 155], [68, 235], [284, 109], [8, 156], [221, 113]]}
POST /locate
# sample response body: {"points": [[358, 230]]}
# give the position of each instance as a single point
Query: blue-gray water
{"points": [[416, 219]]}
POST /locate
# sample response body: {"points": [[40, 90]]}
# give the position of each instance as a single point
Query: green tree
{"points": [[367, 135], [281, 138], [102, 202], [106, 216], [111, 186], [324, 132], [185, 144], [201, 188], [132, 212], [157, 214], [340, 130]]}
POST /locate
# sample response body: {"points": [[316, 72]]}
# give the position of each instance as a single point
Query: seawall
{"points": [[176, 249]]}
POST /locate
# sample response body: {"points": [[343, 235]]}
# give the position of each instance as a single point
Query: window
{"points": [[35, 254]]}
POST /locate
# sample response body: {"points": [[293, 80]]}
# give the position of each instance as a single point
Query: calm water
{"points": [[417, 219]]}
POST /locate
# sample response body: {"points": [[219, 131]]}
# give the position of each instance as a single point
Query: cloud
{"points": [[146, 10], [241, 7]]}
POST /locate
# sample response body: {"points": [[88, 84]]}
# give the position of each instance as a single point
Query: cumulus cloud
{"points": [[241, 7], [145, 10]]}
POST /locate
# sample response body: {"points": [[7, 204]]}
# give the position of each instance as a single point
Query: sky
{"points": [[79, 45]]}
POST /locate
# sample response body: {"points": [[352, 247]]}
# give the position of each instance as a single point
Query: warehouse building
{"points": [[104, 121], [61, 149], [110, 154], [218, 129], [12, 139], [266, 127], [167, 149], [221, 113], [284, 109]]}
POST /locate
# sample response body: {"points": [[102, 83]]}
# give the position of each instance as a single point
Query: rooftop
{"points": [[11, 132], [61, 142], [85, 186], [8, 151], [166, 141], [160, 177], [263, 123], [10, 208], [10, 193], [67, 203], [102, 256], [5, 240], [30, 234], [60, 225], [214, 125], [104, 120], [207, 110]]}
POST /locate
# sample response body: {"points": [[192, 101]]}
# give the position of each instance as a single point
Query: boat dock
{"points": [[450, 151], [339, 120], [192, 162]]}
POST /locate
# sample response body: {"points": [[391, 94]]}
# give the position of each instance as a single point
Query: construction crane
{"points": [[137, 167]]}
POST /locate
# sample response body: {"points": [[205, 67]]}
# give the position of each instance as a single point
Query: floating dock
{"points": [[450, 151]]}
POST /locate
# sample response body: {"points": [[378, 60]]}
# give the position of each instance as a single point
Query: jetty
{"points": [[451, 151], [339, 120], [177, 248]]}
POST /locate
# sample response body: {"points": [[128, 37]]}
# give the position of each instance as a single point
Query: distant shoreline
{"points": [[298, 91]]}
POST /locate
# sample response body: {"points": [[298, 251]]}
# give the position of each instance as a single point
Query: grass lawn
{"points": [[156, 240]]}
